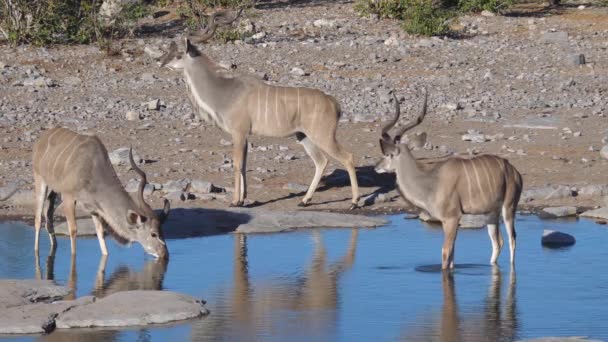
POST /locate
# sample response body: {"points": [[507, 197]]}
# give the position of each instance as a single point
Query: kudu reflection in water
{"points": [[497, 321], [307, 303], [123, 278]]}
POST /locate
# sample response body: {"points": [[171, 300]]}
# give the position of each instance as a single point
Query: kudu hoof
{"points": [[236, 205], [302, 204], [353, 206]]}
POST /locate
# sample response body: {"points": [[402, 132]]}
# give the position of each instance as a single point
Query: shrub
{"points": [[43, 22], [423, 18], [496, 6], [48, 21]]}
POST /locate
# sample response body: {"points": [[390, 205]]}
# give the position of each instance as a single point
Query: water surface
{"points": [[344, 284]]}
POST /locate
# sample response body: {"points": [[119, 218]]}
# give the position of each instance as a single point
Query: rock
{"points": [[553, 238], [324, 23], [298, 71], [546, 193], [486, 13], [38, 81], [392, 41], [202, 187], [126, 309], [375, 198], [86, 227], [604, 152], [72, 81], [22, 198], [153, 52], [120, 156], [177, 185], [225, 142], [153, 105], [36, 318], [593, 190], [148, 77], [578, 59], [203, 222], [475, 136], [23, 292], [295, 187], [8, 191], [475, 221], [560, 339], [597, 213], [178, 196], [259, 35], [558, 37], [132, 116], [466, 221], [555, 212], [111, 8]]}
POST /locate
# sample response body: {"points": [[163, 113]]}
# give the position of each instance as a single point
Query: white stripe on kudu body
{"points": [[231, 102], [445, 191]]}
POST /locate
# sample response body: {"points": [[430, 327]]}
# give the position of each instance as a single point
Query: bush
{"points": [[423, 18], [48, 21], [427, 17], [43, 22], [495, 6]]}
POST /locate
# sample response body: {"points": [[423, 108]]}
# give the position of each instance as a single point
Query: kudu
{"points": [[241, 105], [77, 166], [484, 184]]}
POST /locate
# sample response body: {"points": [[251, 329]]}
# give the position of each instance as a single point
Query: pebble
{"points": [[132, 116], [153, 105], [604, 152], [120, 157]]}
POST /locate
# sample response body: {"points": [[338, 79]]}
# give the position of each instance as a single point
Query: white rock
{"points": [[153, 105], [120, 156], [298, 71], [259, 35], [604, 152], [132, 116], [486, 13], [324, 23], [153, 52], [555, 212]]}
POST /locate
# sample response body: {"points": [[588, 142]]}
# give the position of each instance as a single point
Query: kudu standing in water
{"points": [[486, 184], [243, 105], [77, 166]]}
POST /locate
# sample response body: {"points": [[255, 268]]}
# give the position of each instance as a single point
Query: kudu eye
{"points": [[154, 235]]}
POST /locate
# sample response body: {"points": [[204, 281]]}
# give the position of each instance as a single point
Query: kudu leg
{"points": [[496, 239], [239, 154], [450, 229], [41, 190], [337, 152], [508, 215], [49, 223], [69, 208], [320, 160], [99, 232]]}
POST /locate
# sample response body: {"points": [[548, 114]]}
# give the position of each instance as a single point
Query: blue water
{"points": [[346, 284]]}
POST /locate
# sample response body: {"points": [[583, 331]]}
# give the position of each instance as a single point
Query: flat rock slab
{"points": [[597, 213], [22, 292], [553, 238], [557, 212], [466, 221], [132, 308], [184, 222], [546, 193], [36, 318]]}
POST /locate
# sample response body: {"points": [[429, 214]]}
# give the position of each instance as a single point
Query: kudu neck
{"points": [[114, 210]]}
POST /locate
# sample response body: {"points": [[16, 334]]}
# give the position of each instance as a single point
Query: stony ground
{"points": [[512, 84]]}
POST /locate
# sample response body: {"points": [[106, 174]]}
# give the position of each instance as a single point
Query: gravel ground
{"points": [[512, 85]]}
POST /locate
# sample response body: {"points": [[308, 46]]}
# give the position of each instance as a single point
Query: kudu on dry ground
{"points": [[241, 105], [485, 184], [77, 166]]}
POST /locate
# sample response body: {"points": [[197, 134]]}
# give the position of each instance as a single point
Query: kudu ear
{"points": [[388, 148], [134, 218]]}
